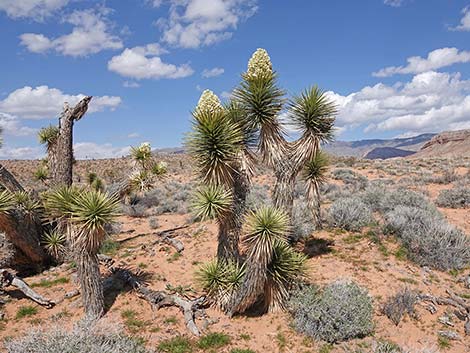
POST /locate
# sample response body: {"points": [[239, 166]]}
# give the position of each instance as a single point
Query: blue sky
{"points": [[394, 67]]}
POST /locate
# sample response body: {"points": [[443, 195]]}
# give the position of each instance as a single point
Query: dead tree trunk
{"points": [[20, 243], [8, 279], [8, 181], [63, 161]]}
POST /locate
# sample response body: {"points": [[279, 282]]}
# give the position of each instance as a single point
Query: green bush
{"points": [[341, 311]]}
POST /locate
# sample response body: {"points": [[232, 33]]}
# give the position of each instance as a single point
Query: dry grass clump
{"points": [[400, 304], [86, 337], [341, 311]]}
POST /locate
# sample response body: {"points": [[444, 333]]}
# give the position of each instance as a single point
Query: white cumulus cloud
{"points": [[91, 150], [144, 62], [91, 34], [216, 71], [436, 59], [431, 101], [43, 102], [464, 22], [10, 125], [196, 23], [34, 9]]}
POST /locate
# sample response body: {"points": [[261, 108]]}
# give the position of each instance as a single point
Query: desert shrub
{"points": [[400, 304], [302, 220], [350, 213], [349, 177], [373, 196], [457, 197], [405, 197], [429, 239], [153, 223], [257, 197], [137, 210], [333, 191], [341, 311], [113, 228], [85, 338]]}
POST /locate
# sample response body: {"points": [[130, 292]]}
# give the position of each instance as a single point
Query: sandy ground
{"points": [[332, 255]]}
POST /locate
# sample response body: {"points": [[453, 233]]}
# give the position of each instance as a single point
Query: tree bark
{"points": [[62, 171], [230, 228], [250, 290], [8, 181], [283, 194], [90, 284]]}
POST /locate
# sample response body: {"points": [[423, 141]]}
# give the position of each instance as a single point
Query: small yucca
{"points": [[41, 174], [220, 279], [48, 135], [7, 202], [55, 243], [286, 269], [159, 169], [211, 202], [266, 227], [24, 202]]}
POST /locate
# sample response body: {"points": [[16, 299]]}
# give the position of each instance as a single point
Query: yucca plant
{"points": [[314, 175], [286, 269], [7, 202], [86, 214], [266, 228], [159, 169], [41, 174], [55, 243], [220, 279], [211, 202], [142, 155]]}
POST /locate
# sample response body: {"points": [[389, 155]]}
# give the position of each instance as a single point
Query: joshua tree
{"points": [[85, 213], [314, 175], [220, 145], [311, 113]]}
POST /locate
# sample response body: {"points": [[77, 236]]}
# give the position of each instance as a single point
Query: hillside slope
{"points": [[446, 144]]}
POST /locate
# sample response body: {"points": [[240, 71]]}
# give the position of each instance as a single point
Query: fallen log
{"points": [[9, 279], [162, 233], [191, 308]]}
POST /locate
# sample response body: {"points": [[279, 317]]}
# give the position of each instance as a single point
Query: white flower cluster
{"points": [[209, 102], [145, 148], [260, 64]]}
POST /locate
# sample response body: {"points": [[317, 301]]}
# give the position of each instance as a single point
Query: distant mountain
{"points": [[361, 149], [446, 144], [387, 152]]}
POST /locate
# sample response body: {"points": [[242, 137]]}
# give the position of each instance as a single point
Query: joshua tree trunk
{"points": [[52, 160], [90, 284], [62, 170], [283, 194], [314, 203], [231, 227], [250, 290]]}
